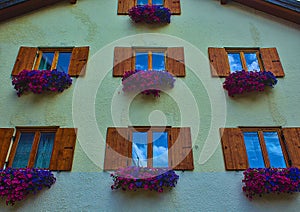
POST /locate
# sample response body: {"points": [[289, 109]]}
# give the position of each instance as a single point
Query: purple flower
{"points": [[150, 14]]}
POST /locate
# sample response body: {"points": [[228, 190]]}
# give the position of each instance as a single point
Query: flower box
{"points": [[247, 81], [150, 14], [41, 81], [258, 181], [153, 179], [16, 184], [147, 82]]}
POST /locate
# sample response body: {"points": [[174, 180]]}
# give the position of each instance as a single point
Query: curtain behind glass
{"points": [[44, 152], [23, 150]]}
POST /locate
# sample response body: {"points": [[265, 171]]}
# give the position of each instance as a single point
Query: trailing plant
{"points": [[41, 81], [246, 81], [147, 82], [150, 14], [16, 184], [133, 178], [258, 181]]}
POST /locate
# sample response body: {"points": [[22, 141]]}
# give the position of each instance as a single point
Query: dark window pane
{"points": [[63, 61], [158, 61], [253, 149], [235, 62], [23, 150], [141, 61], [157, 2], [46, 61], [252, 62], [44, 152], [160, 149], [274, 150], [142, 2], [139, 149]]}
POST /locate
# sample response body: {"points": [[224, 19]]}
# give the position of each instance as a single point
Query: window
{"points": [[70, 60], [125, 5], [129, 58], [149, 147], [38, 147], [253, 147], [223, 61]]}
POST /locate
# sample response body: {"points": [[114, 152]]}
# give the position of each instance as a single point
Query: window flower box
{"points": [[150, 14], [153, 179], [243, 81], [41, 81], [147, 82], [258, 181], [16, 184]]}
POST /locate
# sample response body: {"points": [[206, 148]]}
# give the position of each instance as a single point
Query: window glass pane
{"points": [[274, 150], [160, 149], [158, 61], [252, 61], [63, 61], [142, 2], [46, 61], [141, 61], [235, 62], [253, 149], [44, 152], [157, 2], [139, 149], [23, 150]]}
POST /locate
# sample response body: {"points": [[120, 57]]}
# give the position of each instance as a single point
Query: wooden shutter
{"points": [[174, 6], [25, 59], [292, 142], [78, 61], [180, 149], [63, 149], [271, 61], [175, 61], [124, 6], [117, 150], [123, 59], [6, 135], [234, 150], [219, 64]]}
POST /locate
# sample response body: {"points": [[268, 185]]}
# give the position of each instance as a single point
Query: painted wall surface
{"points": [[96, 101]]}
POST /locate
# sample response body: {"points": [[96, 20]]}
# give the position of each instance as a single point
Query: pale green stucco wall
{"points": [[96, 101]]}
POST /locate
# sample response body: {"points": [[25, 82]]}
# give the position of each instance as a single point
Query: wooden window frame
{"points": [[150, 52], [35, 144]]}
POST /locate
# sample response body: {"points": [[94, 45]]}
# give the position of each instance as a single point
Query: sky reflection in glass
{"points": [[252, 62], [160, 149], [63, 61], [44, 152], [157, 2], [142, 2], [139, 149], [235, 62], [46, 61], [253, 150], [158, 61], [23, 150], [141, 61], [274, 150]]}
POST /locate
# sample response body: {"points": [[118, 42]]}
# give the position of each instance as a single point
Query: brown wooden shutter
{"points": [[180, 149], [6, 135], [63, 149], [271, 61], [174, 6], [175, 61], [78, 61], [117, 151], [234, 150], [219, 64], [123, 60], [25, 59], [292, 142], [124, 6]]}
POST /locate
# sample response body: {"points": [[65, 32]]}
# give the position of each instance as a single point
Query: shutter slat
{"points": [[234, 150], [78, 61], [25, 59], [180, 149], [122, 60], [271, 61], [63, 149], [175, 61], [219, 64], [117, 148], [292, 142], [174, 6], [5, 140], [124, 6]]}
